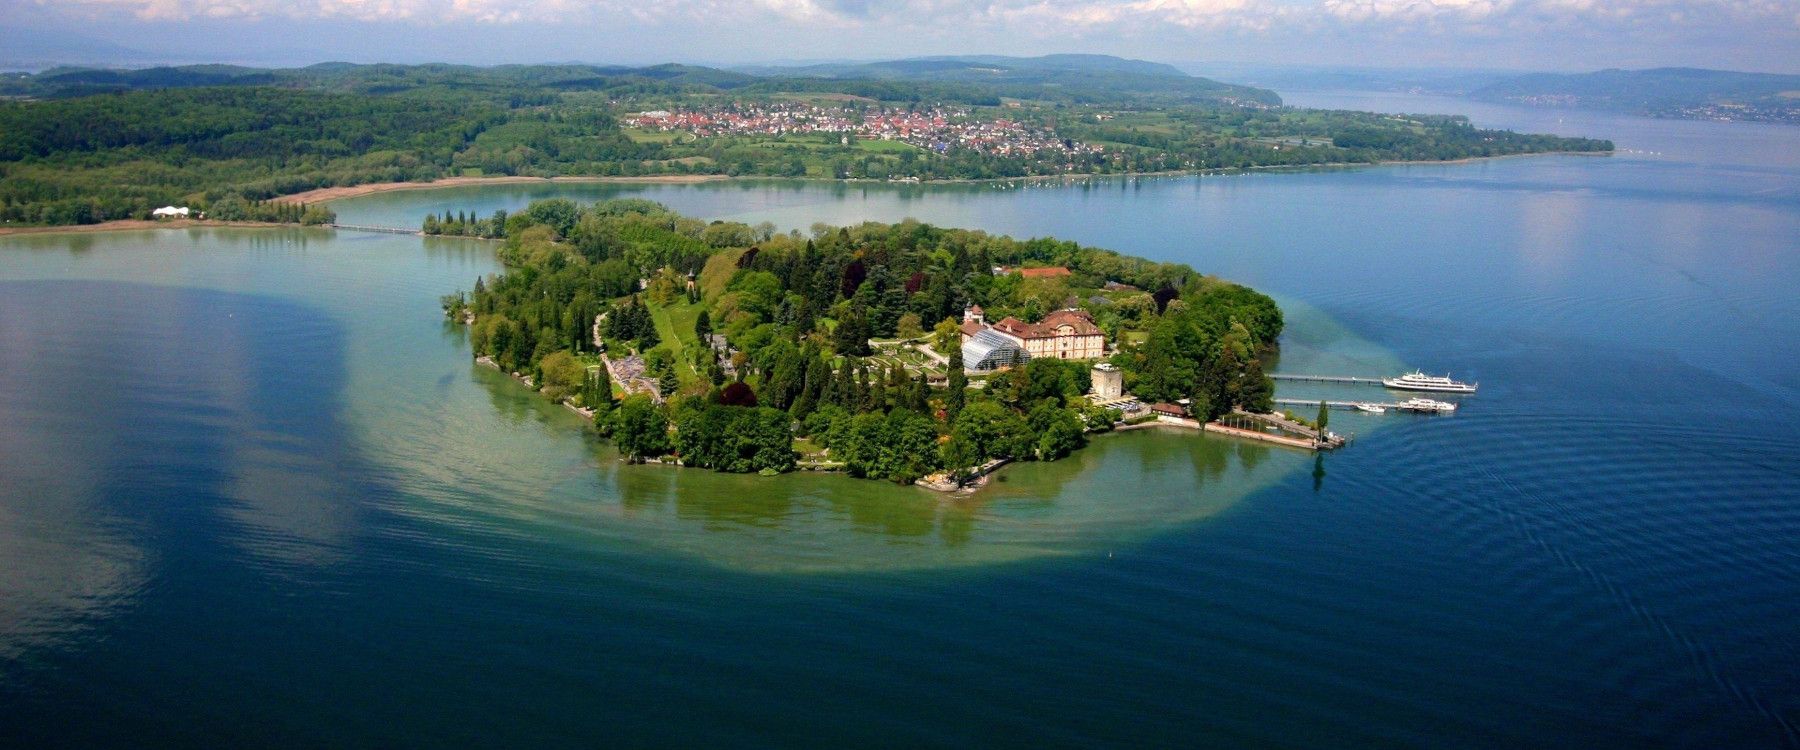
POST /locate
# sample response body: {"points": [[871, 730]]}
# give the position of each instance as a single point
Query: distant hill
{"points": [[1296, 77], [1659, 92], [377, 78], [1082, 77], [1088, 79], [975, 67]]}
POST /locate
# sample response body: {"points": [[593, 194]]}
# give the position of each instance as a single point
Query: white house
{"points": [[170, 212]]}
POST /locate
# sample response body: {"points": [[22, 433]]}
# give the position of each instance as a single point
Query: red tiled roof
{"points": [[1014, 326], [1043, 273], [1079, 320]]}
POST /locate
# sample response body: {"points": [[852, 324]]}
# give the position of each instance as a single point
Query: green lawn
{"points": [[883, 147], [641, 135], [675, 325]]}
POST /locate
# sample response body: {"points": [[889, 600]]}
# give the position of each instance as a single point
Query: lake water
{"points": [[253, 492]]}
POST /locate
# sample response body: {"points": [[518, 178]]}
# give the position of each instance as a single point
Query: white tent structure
{"points": [[989, 350], [171, 212]]}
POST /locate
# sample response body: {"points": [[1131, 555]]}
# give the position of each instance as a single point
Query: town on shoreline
{"points": [[319, 133]]}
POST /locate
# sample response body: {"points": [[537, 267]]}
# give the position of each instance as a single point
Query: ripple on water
{"points": [[1631, 562]]}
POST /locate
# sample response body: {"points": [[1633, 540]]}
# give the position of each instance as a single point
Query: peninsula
{"points": [[214, 136], [890, 351]]}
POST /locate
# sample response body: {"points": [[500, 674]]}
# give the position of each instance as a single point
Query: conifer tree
{"points": [[878, 393], [959, 385]]}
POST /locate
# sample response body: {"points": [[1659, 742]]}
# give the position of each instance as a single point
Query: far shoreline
{"points": [[130, 225], [318, 195], [372, 188]]}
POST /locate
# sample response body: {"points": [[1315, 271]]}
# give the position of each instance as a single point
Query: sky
{"points": [[1551, 35]]}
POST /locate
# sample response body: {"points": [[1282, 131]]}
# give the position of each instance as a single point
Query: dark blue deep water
{"points": [[253, 493]]}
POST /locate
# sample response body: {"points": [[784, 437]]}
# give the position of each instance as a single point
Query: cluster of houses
{"points": [[937, 129]]}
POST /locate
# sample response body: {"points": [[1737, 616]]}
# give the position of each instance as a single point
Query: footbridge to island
{"points": [[373, 228]]}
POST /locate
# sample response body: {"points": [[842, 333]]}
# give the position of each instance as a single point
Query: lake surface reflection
{"points": [[255, 493]]}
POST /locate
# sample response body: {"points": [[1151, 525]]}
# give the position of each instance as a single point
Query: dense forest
{"points": [[751, 350], [81, 146]]}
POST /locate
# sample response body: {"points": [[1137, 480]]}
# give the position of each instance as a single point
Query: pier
{"points": [[1327, 379], [1397, 406]]}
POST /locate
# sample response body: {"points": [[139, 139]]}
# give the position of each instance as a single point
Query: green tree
{"points": [[647, 338], [562, 375], [852, 334], [640, 429], [1172, 360], [602, 401], [946, 336], [994, 431], [735, 438], [958, 392], [961, 457], [909, 327], [1058, 429]]}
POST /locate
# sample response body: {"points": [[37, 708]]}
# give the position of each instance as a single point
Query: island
{"points": [[902, 352], [225, 140]]}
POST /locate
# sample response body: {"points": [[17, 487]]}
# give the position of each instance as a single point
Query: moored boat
{"points": [[1419, 381], [1372, 408], [1426, 405]]}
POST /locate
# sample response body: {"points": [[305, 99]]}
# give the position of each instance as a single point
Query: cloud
{"points": [[1041, 18]]}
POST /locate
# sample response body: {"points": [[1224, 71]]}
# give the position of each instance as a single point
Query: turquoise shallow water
{"points": [[255, 493]]}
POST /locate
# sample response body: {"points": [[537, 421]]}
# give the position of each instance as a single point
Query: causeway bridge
{"points": [[372, 228]]}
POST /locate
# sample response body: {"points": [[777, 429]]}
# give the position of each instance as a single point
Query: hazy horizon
{"points": [[1513, 35]]}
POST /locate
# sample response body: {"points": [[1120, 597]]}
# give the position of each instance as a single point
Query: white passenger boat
{"points": [[1426, 405], [1372, 408], [1419, 381]]}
